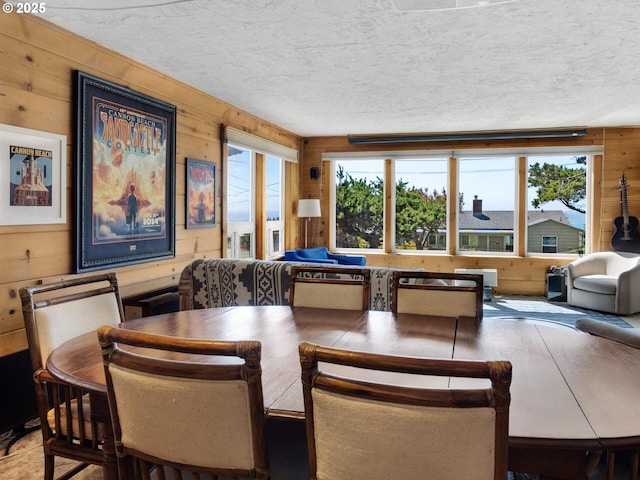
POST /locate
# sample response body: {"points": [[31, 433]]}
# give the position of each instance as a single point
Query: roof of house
{"points": [[505, 219]]}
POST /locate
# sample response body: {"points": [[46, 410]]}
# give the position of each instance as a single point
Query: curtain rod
{"points": [[468, 136]]}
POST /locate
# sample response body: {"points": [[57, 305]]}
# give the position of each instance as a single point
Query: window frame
{"points": [[483, 241], [279, 225], [546, 245], [585, 235], [518, 245], [260, 149], [236, 230]]}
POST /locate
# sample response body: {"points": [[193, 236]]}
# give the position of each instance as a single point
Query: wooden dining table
{"points": [[573, 395]]}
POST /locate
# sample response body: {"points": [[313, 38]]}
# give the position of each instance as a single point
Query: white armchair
{"points": [[605, 281]]}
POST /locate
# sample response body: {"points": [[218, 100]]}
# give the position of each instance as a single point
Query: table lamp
{"points": [[307, 208]]}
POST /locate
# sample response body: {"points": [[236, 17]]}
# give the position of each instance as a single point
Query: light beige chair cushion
{"points": [[58, 323], [440, 302], [75, 425], [326, 295], [597, 284], [162, 416], [365, 439]]}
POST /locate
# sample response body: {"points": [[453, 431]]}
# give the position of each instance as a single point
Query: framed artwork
{"points": [[200, 194], [33, 182], [125, 188]]}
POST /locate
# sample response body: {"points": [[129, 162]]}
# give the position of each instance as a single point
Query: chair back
{"points": [[439, 294], [57, 312], [185, 405], [360, 429], [330, 287], [54, 313]]}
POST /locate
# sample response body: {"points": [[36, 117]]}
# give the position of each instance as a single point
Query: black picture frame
{"points": [[125, 182], [200, 194]]}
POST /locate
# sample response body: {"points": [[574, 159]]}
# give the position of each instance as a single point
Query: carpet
{"points": [[25, 461], [555, 312], [287, 455]]}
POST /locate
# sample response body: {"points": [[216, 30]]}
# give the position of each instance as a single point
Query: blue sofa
{"points": [[323, 255]]}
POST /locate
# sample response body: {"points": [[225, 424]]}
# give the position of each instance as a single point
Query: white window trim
{"points": [[332, 157], [255, 144], [276, 225], [492, 152], [260, 145]]}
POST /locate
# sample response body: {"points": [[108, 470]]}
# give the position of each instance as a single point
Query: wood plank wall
{"points": [[36, 92], [37, 61], [516, 274]]}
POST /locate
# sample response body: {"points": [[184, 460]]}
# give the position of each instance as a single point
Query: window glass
{"points": [[486, 217], [556, 198], [239, 185], [557, 204], [246, 247], [549, 244], [240, 203], [274, 205], [421, 204], [359, 204]]}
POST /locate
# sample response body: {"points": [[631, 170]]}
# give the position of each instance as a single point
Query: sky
{"points": [[492, 179]]}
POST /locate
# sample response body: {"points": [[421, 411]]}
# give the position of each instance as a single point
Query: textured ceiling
{"points": [[337, 67]]}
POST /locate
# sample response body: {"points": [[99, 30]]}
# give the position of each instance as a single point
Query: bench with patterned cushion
{"points": [[207, 283]]}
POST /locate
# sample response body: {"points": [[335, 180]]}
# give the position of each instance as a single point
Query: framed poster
{"points": [[125, 176], [33, 182], [200, 194]]}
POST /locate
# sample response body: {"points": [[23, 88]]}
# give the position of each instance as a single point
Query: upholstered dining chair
{"points": [[434, 293], [185, 405], [360, 429], [330, 287], [54, 313]]}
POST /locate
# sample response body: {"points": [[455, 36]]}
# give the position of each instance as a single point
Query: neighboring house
{"points": [[548, 231], [552, 235], [490, 231]]}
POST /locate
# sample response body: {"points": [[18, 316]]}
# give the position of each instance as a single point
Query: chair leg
{"points": [[611, 464], [635, 461], [49, 464]]}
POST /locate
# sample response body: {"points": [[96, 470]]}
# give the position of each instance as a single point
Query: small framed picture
{"points": [[200, 194], [33, 182]]}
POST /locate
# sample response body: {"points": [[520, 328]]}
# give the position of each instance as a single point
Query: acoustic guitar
{"points": [[626, 237]]}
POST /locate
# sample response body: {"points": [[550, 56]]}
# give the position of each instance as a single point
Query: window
{"points": [[240, 203], [255, 186], [486, 217], [421, 204], [359, 204], [491, 187], [549, 244], [274, 206], [557, 199]]}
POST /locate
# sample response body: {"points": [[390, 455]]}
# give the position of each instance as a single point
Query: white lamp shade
{"points": [[309, 207]]}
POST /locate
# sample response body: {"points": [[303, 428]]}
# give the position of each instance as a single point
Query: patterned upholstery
{"points": [[207, 283]]}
